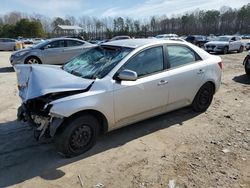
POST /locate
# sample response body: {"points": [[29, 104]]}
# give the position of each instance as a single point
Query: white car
{"points": [[225, 44], [113, 85], [166, 36]]}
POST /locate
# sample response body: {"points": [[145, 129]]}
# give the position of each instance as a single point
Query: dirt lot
{"points": [[181, 148]]}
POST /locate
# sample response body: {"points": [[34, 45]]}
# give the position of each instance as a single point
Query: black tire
{"points": [[241, 49], [247, 66], [77, 135], [33, 60], [225, 50], [203, 98]]}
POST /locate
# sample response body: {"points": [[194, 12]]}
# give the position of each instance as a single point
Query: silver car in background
{"points": [[9, 44], [225, 44], [52, 51], [113, 85]]}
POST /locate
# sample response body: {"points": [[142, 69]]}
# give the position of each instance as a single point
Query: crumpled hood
{"points": [[217, 43], [38, 80]]}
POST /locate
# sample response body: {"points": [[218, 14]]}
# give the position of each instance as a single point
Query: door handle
{"points": [[162, 82], [201, 71]]}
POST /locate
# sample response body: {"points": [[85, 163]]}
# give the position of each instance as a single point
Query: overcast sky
{"points": [[114, 8]]}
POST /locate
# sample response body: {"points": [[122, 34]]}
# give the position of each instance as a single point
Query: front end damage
{"points": [[36, 112], [38, 87]]}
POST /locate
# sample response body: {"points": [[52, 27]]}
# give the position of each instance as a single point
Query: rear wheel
{"points": [[77, 135], [33, 60], [241, 49], [203, 98]]}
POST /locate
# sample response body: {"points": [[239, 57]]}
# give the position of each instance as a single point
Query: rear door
{"points": [[72, 49], [53, 52], [186, 74], [147, 96]]}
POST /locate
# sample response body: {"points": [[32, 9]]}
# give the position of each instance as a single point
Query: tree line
{"points": [[217, 22]]}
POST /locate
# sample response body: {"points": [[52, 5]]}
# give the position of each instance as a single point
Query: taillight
{"points": [[221, 65]]}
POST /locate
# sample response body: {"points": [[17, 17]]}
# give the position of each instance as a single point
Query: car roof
{"points": [[136, 43], [64, 38]]}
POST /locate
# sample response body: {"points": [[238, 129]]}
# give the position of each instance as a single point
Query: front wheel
{"points": [[225, 50], [77, 135], [33, 60], [203, 98], [247, 66]]}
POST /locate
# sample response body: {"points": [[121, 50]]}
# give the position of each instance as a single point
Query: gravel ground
{"points": [[178, 149]]}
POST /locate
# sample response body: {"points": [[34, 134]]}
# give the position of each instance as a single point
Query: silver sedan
{"points": [[8, 44], [53, 51], [113, 85]]}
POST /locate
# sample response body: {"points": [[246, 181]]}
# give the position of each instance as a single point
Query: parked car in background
{"points": [[166, 36], [113, 85], [245, 36], [246, 63], [197, 40], [225, 44], [120, 38], [37, 40], [10, 44], [247, 45], [27, 40], [52, 51]]}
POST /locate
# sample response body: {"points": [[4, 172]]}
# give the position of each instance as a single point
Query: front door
{"points": [[148, 95], [53, 52]]}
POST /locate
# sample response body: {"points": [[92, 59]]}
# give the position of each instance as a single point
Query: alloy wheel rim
{"points": [[33, 61]]}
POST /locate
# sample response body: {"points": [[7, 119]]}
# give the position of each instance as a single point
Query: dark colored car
{"points": [[197, 40], [246, 63]]}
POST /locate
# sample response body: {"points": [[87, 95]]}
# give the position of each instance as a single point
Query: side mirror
{"points": [[127, 75]]}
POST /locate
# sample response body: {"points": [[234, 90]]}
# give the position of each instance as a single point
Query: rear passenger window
{"points": [[146, 62], [71, 43], [180, 55]]}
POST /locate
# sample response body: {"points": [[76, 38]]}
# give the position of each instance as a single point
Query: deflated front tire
{"points": [[77, 135]]}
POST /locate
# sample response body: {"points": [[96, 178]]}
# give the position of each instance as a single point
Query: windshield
{"points": [[96, 62], [223, 39]]}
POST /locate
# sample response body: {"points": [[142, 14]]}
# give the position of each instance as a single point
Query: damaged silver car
{"points": [[113, 85]]}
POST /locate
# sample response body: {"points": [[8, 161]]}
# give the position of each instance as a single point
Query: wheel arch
{"points": [[97, 114], [32, 56], [208, 81]]}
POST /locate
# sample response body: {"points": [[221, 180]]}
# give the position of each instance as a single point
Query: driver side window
{"points": [[146, 62], [56, 44]]}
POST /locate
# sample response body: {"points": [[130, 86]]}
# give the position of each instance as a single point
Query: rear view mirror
{"points": [[127, 75]]}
